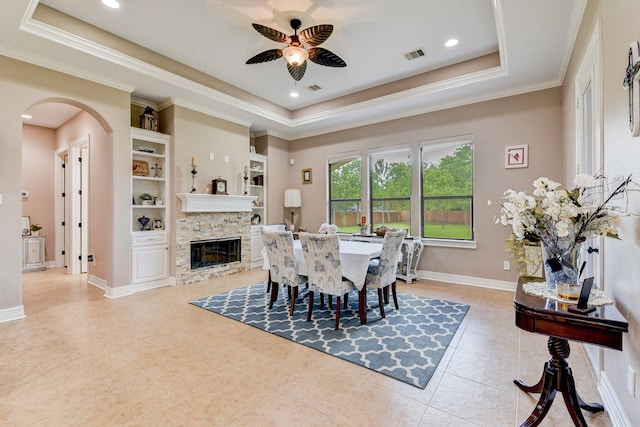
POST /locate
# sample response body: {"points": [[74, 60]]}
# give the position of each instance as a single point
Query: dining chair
{"points": [[274, 227], [322, 257], [282, 265], [382, 271]]}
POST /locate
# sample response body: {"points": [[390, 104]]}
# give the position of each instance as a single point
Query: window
{"points": [[345, 192], [447, 189], [390, 180]]}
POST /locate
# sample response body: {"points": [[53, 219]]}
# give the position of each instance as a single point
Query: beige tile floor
{"points": [[152, 359]]}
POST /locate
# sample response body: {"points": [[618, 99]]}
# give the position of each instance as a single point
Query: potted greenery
{"points": [[35, 229]]}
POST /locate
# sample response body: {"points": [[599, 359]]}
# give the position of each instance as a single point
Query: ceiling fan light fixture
{"points": [[295, 55]]}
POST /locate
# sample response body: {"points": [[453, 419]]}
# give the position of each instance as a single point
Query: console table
{"points": [[604, 326]]}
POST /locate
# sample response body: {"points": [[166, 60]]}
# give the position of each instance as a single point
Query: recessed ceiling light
{"points": [[111, 3], [26, 116], [451, 42], [294, 94]]}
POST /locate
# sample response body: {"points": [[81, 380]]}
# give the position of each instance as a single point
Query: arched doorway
{"points": [[63, 136]]}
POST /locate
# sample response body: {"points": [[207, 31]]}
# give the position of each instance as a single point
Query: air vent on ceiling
{"points": [[414, 54], [313, 88]]}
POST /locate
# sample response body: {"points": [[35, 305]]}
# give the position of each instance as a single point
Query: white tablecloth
{"points": [[354, 259]]}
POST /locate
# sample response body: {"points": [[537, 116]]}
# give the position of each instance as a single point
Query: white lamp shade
{"points": [[292, 198], [295, 55]]}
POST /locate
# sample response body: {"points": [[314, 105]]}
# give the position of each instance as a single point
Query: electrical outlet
{"points": [[212, 156], [631, 381], [226, 159], [506, 265]]}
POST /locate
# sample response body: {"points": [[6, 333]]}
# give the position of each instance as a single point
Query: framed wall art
{"points": [[306, 176], [516, 156]]}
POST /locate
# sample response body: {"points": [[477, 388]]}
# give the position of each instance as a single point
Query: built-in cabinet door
{"points": [[150, 263], [256, 247], [33, 253]]}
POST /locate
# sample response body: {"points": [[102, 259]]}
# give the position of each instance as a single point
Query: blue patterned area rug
{"points": [[407, 345]]}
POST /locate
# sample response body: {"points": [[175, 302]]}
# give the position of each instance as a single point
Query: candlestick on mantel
{"points": [[194, 172], [193, 161]]}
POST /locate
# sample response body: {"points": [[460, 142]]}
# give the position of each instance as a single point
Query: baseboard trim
{"points": [[96, 281], [125, 291], [11, 314], [468, 280], [146, 286], [611, 403]]}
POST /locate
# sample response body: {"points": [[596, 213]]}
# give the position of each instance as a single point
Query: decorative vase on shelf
{"points": [[562, 269]]}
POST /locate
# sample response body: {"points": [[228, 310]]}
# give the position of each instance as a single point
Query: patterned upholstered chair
{"points": [[382, 271], [322, 256], [279, 247], [274, 227]]}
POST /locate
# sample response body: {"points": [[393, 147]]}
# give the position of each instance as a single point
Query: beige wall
{"points": [[619, 24], [278, 180], [38, 168], [533, 119], [84, 125], [197, 134], [23, 86]]}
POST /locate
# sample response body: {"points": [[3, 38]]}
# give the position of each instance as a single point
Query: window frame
{"points": [[348, 156], [380, 151], [460, 140]]}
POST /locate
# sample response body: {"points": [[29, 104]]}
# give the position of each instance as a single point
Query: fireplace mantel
{"points": [[194, 202]]}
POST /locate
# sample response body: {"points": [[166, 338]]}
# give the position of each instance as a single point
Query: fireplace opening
{"points": [[210, 253]]}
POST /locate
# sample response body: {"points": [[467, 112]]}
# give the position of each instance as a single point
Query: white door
{"points": [[79, 196], [61, 209], [589, 157]]}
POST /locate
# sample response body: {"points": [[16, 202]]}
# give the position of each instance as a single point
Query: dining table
{"points": [[354, 259]]}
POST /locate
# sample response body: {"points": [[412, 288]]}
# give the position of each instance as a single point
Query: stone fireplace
{"points": [[212, 218]]}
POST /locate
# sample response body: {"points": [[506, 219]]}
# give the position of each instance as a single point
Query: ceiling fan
{"points": [[295, 52]]}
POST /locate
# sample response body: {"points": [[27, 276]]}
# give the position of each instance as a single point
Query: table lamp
{"points": [[292, 199]]}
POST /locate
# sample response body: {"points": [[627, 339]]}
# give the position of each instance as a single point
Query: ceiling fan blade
{"points": [[297, 71], [266, 56], [313, 36], [271, 34], [325, 57]]}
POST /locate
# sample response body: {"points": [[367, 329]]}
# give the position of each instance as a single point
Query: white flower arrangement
{"points": [[328, 229], [560, 218]]}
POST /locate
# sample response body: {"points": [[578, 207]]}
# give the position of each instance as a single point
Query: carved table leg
{"points": [[557, 376]]}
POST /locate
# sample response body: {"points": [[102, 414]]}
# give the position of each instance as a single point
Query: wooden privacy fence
{"points": [[343, 219]]}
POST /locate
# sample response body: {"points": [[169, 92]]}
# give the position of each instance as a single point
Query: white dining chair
{"points": [[282, 262], [322, 257], [274, 227], [381, 273]]}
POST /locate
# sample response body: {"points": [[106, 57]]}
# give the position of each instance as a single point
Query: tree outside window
{"points": [[345, 194], [390, 175], [447, 190]]}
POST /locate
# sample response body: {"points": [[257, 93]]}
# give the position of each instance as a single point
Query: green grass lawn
{"points": [[434, 230], [450, 231]]}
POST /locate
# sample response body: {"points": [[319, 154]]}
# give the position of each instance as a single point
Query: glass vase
{"points": [[562, 269]]}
